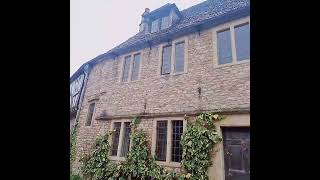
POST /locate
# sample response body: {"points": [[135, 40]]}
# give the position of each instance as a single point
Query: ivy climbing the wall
{"points": [[197, 142], [73, 142]]}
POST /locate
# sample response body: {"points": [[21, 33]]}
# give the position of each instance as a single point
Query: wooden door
{"points": [[236, 143]]}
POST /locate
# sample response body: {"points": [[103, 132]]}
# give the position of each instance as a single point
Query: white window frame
{"points": [[230, 25], [121, 136], [173, 53], [131, 66], [168, 161]]}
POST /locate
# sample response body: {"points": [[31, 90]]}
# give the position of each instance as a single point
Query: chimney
{"points": [[144, 21]]}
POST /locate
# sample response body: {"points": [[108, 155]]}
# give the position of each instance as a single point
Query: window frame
{"points": [[173, 59], [230, 25], [132, 54], [121, 137], [169, 120]]}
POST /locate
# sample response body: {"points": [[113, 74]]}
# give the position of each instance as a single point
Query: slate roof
{"points": [[193, 17]]}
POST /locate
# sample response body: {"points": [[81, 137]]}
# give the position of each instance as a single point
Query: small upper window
{"points": [[166, 60], [135, 67], [179, 57], [233, 44], [242, 38], [126, 67], [155, 26], [165, 22], [224, 47], [90, 114]]}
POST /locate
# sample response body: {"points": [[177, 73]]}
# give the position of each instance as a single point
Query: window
{"points": [[126, 67], [166, 138], [233, 44], [120, 140], [179, 57], [135, 67], [165, 22], [115, 141], [224, 47], [90, 114], [161, 145], [242, 38], [166, 60], [131, 67], [173, 58], [155, 26], [126, 140], [177, 130]]}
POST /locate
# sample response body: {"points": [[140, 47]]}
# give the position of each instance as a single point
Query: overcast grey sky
{"points": [[97, 26]]}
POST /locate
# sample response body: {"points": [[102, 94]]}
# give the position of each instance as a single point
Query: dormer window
{"points": [[165, 22], [161, 23], [155, 26], [159, 19]]}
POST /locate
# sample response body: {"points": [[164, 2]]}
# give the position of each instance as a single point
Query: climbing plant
{"points": [[197, 142], [73, 142]]}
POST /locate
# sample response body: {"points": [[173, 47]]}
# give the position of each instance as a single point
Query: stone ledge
{"points": [[187, 113]]}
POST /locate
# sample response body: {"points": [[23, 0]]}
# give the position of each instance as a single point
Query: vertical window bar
{"points": [[161, 141], [115, 141], [126, 140], [177, 130]]}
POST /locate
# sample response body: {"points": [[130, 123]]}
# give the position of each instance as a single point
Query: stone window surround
{"points": [[130, 66], [173, 53], [230, 25], [168, 161], [121, 136]]}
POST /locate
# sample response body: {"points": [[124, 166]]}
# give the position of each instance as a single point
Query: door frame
{"points": [[217, 170]]}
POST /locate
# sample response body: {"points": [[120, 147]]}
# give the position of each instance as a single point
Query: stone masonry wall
{"points": [[221, 87]]}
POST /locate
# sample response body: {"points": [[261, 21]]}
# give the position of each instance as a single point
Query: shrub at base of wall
{"points": [[197, 142]]}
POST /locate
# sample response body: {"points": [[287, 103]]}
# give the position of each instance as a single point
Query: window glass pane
{"points": [[166, 60], [126, 66], [179, 57], [115, 139], [177, 130], [155, 26], [90, 114], [135, 67], [242, 38], [161, 141], [126, 139], [165, 22], [224, 47]]}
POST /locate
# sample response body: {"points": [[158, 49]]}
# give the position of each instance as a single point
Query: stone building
{"points": [[181, 62]]}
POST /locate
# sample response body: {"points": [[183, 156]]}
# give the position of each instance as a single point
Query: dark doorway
{"points": [[236, 143]]}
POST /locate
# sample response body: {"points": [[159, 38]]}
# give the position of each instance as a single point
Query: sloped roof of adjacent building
{"points": [[200, 16]]}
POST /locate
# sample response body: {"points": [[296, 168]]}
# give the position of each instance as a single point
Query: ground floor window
{"points": [[120, 139], [166, 139]]}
